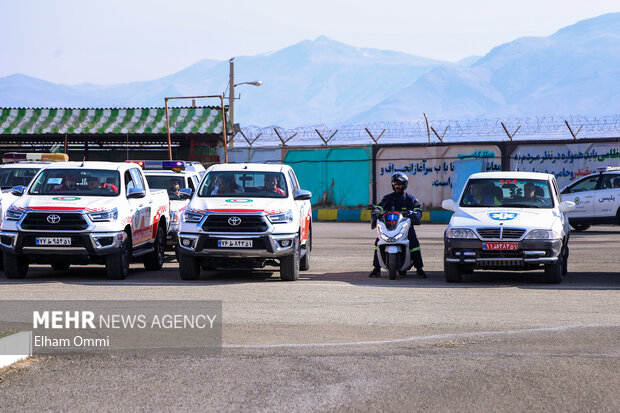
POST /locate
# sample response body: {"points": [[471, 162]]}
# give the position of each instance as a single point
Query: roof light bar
{"points": [[14, 157], [161, 165]]}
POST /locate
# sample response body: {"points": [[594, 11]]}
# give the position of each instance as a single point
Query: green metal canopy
{"points": [[21, 121]]}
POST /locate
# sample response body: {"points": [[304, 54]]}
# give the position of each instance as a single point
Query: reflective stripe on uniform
{"points": [[415, 249]]}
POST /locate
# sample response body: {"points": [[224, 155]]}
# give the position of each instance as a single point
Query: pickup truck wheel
{"points": [[553, 272], [289, 264], [60, 266], [189, 267], [153, 261], [452, 271], [304, 263], [117, 265], [15, 266], [580, 227]]}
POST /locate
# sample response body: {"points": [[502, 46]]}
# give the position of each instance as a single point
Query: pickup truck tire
{"points": [[452, 272], [153, 261], [117, 265], [289, 264], [304, 263], [15, 266], [189, 267], [60, 266], [392, 264], [553, 272]]}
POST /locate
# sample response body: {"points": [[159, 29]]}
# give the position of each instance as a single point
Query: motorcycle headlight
{"points": [[542, 234], [13, 214], [192, 217], [104, 216], [462, 233], [282, 218]]}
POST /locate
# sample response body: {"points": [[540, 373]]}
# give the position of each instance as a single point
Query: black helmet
{"points": [[401, 178]]}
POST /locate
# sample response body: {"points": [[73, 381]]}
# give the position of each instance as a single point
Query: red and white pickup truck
{"points": [[85, 213]]}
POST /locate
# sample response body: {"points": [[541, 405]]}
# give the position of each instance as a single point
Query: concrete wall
{"points": [[430, 169], [566, 161]]}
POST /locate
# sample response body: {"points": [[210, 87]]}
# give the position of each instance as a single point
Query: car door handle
{"points": [[140, 206]]}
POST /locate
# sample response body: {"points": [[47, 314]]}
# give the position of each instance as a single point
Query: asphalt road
{"points": [[338, 340]]}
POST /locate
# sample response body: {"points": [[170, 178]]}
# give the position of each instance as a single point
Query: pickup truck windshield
{"points": [[74, 182], [249, 184], [10, 177], [515, 193]]}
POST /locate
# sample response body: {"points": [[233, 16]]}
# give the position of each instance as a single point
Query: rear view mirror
{"points": [[567, 206], [301, 195], [136, 193], [18, 190], [185, 193], [448, 204]]}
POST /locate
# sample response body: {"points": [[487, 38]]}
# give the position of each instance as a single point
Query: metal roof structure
{"points": [[41, 121]]}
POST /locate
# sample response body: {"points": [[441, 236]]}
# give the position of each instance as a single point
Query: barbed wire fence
{"points": [[433, 131]]}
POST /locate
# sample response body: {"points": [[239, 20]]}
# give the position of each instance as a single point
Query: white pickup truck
{"points": [[84, 213], [247, 216], [508, 221]]}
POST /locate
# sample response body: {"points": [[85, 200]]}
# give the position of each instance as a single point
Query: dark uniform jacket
{"points": [[403, 203]]}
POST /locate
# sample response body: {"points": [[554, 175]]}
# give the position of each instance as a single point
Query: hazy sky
{"points": [[114, 41]]}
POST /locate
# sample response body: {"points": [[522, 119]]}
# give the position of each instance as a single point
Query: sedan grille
{"points": [[244, 223], [501, 233], [67, 221]]}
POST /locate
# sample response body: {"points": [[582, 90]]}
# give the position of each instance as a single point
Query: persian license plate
{"points": [[234, 243], [53, 241], [509, 246]]}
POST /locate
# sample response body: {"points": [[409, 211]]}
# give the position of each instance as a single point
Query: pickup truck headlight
{"points": [[282, 218], [542, 234], [192, 217], [462, 233], [13, 214], [104, 216]]}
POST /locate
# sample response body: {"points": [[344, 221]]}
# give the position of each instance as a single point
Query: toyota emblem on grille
{"points": [[234, 221], [53, 219]]}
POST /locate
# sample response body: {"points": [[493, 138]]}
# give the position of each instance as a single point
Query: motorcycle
{"points": [[393, 245]]}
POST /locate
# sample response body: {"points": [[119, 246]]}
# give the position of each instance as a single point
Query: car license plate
{"points": [[234, 243], [53, 241], [510, 246]]}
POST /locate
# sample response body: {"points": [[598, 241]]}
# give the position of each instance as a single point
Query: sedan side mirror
{"points": [[18, 190], [448, 204], [301, 195]]}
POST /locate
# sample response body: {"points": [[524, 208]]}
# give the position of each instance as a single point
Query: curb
{"points": [[363, 215], [15, 347]]}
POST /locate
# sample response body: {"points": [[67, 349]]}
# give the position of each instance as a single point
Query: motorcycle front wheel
{"points": [[392, 265]]}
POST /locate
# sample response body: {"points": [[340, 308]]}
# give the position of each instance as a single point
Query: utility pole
{"points": [[231, 94]]}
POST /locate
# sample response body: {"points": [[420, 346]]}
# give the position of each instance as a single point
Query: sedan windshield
{"points": [[84, 182], [519, 193]]}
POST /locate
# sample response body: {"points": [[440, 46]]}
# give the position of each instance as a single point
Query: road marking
{"points": [[449, 336]]}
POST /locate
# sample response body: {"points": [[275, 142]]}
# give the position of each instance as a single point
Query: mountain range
{"points": [[575, 71]]}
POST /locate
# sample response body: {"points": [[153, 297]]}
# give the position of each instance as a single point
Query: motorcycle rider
{"points": [[408, 205]]}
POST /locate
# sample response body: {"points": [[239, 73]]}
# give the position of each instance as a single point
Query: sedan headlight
{"points": [[282, 218], [462, 233], [192, 217], [104, 216], [13, 214], [542, 234]]}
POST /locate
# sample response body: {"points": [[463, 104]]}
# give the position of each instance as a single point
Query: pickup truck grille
{"points": [[67, 222], [220, 223], [498, 233]]}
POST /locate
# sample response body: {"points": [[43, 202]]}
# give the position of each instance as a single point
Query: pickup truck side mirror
{"points": [[18, 190], [301, 195], [185, 193], [448, 204], [567, 206], [136, 193]]}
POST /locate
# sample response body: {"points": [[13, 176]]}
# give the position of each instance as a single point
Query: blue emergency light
{"points": [[161, 165]]}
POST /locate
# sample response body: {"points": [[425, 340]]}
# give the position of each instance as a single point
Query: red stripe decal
{"points": [[57, 208]]}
